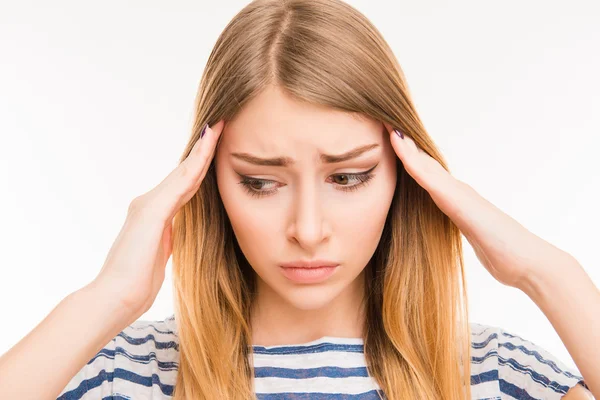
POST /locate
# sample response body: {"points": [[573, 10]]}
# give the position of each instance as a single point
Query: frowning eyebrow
{"points": [[287, 161]]}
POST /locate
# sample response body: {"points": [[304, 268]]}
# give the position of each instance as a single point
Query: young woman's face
{"points": [[310, 209]]}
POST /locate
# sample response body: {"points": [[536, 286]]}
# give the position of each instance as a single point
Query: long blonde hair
{"points": [[417, 334]]}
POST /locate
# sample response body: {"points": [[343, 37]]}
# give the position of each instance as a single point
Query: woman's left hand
{"points": [[506, 249]]}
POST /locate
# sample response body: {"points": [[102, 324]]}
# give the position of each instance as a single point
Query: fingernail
{"points": [[203, 130], [399, 133]]}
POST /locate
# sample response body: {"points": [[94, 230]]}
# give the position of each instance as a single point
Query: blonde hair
{"points": [[416, 334]]}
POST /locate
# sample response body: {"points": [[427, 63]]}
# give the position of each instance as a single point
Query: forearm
{"points": [[567, 296], [41, 364]]}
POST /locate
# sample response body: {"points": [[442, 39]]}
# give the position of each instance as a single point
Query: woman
{"points": [[316, 239]]}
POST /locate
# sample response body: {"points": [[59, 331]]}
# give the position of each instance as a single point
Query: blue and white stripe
{"points": [[141, 363]]}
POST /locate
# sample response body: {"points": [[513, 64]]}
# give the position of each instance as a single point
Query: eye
{"points": [[362, 179], [255, 186]]}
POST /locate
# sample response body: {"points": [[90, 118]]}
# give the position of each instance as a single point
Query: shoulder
{"points": [[140, 362], [504, 364]]}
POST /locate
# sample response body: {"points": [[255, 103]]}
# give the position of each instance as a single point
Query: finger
{"points": [[191, 162], [195, 166], [398, 143], [212, 135], [183, 182], [403, 145], [212, 153], [410, 143]]}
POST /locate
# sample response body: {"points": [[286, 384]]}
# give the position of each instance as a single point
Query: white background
{"points": [[96, 104]]}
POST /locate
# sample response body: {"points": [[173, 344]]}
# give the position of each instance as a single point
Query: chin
{"points": [[308, 298]]}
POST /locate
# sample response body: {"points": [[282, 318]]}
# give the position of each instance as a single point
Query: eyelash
{"points": [[362, 177]]}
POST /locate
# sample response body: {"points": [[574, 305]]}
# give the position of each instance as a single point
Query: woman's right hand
{"points": [[134, 269]]}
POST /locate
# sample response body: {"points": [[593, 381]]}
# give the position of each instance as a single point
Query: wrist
{"points": [[540, 283], [109, 300]]}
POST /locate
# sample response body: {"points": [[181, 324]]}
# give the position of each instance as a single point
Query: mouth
{"points": [[309, 274]]}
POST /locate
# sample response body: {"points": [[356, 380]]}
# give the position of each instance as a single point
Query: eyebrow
{"points": [[287, 161]]}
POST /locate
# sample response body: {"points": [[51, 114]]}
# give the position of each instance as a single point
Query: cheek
{"points": [[366, 212], [253, 239], [247, 222], [361, 230], [252, 227]]}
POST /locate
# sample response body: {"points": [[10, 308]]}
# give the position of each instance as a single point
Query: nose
{"points": [[309, 226]]}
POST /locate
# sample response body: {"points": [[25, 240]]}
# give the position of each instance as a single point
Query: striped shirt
{"points": [[141, 363]]}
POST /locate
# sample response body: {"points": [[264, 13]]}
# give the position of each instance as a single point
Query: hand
{"points": [[505, 248], [134, 269]]}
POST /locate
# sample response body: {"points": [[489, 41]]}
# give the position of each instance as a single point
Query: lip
{"points": [[308, 275], [310, 264]]}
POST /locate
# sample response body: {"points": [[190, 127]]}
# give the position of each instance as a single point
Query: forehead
{"points": [[274, 123]]}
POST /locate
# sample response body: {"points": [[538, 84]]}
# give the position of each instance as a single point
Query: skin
{"points": [[578, 393], [308, 217], [305, 213]]}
